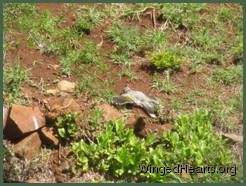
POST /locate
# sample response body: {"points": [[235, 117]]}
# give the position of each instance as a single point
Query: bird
{"points": [[137, 98]]}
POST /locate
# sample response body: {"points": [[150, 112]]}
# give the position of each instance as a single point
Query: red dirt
{"points": [[183, 79]]}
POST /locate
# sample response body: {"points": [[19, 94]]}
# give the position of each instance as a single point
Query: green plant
{"points": [[128, 39], [83, 85], [12, 11], [66, 126], [131, 75], [106, 96], [91, 14], [13, 78], [164, 85], [118, 153], [164, 60], [181, 14], [231, 75], [193, 141], [82, 26], [96, 118]]}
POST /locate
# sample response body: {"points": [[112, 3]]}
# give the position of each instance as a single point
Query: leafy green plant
{"points": [[164, 60], [193, 141], [66, 126], [118, 153]]}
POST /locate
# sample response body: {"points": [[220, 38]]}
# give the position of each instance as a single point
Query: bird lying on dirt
{"points": [[148, 103]]}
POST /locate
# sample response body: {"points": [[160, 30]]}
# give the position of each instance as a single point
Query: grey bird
{"points": [[137, 98]]}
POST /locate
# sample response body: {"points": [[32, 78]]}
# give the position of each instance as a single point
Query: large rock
{"points": [[23, 120], [60, 106], [48, 136], [28, 147], [109, 112], [66, 86], [143, 127]]}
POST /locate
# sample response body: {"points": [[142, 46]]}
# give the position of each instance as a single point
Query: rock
{"points": [[52, 92], [28, 147], [66, 86], [23, 120], [48, 136], [130, 122], [62, 105], [33, 181], [185, 175], [5, 116], [142, 127], [109, 112], [233, 137], [54, 66]]}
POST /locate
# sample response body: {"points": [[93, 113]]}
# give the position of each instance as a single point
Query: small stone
{"points": [[28, 147], [23, 120], [66, 86], [185, 175], [52, 92], [62, 105], [33, 181], [48, 137], [109, 112], [55, 67], [233, 137], [5, 116]]}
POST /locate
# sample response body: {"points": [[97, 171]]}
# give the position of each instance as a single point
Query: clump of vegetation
{"points": [[181, 14], [128, 40], [164, 60], [82, 26], [66, 126], [13, 79], [119, 153], [229, 76], [164, 85]]}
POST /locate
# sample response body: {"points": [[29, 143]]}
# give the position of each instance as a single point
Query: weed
{"points": [[181, 14], [12, 11], [82, 26], [131, 75], [66, 126], [90, 13], [95, 119], [128, 39], [14, 77], [106, 96], [231, 75], [121, 59], [82, 85], [164, 85]]}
